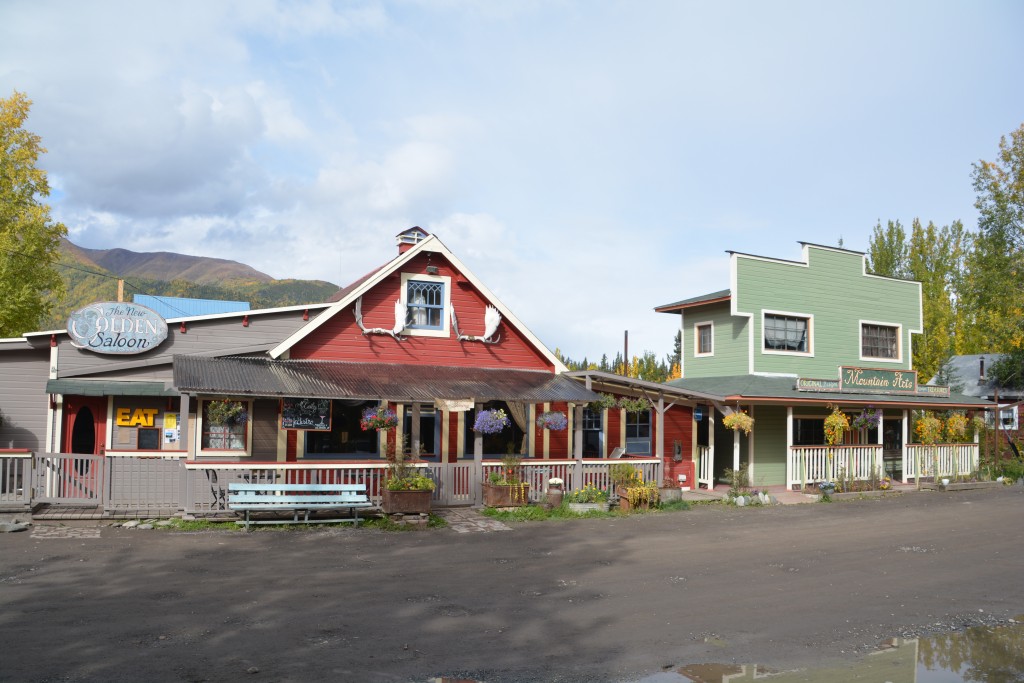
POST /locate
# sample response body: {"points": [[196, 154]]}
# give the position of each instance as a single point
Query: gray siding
{"points": [[224, 335], [264, 430], [125, 438], [23, 398]]}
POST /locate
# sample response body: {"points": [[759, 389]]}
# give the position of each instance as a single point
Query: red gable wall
{"points": [[341, 339]]}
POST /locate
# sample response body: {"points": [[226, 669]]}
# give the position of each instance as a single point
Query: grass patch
{"points": [[178, 524], [538, 513], [384, 523]]}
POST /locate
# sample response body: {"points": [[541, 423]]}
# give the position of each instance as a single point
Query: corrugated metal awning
{"points": [[105, 387], [341, 379]]}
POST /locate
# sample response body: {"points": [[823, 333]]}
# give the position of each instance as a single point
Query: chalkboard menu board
{"points": [[313, 414]]}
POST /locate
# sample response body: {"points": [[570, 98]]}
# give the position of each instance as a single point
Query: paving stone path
{"points": [[467, 520], [65, 531]]}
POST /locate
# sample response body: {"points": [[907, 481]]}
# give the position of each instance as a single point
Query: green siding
{"points": [[832, 289], [769, 460], [730, 343]]}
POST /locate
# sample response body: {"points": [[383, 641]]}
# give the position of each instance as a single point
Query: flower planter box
{"points": [[670, 494], [405, 502], [499, 496], [626, 506], [584, 508]]}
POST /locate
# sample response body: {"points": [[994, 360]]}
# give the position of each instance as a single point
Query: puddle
{"points": [[989, 654]]}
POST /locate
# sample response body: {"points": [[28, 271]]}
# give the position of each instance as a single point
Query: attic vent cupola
{"points": [[407, 239]]}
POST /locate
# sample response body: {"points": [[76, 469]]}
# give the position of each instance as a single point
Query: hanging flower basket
{"points": [[635, 405], [554, 420], [869, 418], [379, 418], [836, 425], [739, 421], [491, 421], [224, 412]]}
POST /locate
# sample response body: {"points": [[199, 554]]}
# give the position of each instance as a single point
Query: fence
{"points": [[125, 485], [705, 472], [953, 459], [813, 464]]}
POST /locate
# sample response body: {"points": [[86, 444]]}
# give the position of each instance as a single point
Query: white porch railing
{"points": [[813, 464], [954, 459], [705, 469]]}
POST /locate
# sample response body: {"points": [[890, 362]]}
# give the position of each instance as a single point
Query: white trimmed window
{"points": [[879, 341], [428, 301], [704, 339], [787, 332], [232, 434]]}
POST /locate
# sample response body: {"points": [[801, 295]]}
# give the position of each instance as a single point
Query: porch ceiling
{"points": [[339, 379], [782, 390]]}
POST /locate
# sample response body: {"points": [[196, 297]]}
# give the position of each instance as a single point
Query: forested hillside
{"points": [[87, 280]]}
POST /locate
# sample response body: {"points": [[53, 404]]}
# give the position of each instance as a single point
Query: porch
{"points": [[119, 486]]}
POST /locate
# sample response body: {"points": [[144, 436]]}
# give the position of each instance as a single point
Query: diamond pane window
{"points": [[879, 341], [785, 333], [425, 301]]}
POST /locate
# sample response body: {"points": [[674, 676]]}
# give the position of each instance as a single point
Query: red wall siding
{"points": [[341, 339], [679, 425], [453, 438], [558, 442], [614, 429]]}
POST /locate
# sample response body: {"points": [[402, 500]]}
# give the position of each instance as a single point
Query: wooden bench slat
{"points": [[245, 497]]}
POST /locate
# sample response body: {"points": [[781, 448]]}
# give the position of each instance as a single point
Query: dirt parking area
{"points": [[577, 600]]}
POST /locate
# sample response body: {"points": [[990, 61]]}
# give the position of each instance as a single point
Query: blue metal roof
{"points": [[178, 307]]}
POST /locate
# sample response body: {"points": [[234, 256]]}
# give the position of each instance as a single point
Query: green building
{"points": [[789, 340]]}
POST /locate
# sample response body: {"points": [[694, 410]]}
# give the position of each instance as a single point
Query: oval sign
{"points": [[117, 328]]}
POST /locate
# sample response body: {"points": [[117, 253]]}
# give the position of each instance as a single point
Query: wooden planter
{"points": [[584, 508], [498, 496], [405, 502], [626, 506]]}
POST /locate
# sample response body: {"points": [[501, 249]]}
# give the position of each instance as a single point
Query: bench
{"points": [[297, 498]]}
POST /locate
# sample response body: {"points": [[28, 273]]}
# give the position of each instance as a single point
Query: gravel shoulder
{"points": [[587, 600]]}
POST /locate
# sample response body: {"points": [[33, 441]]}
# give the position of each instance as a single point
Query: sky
{"points": [[587, 160]]}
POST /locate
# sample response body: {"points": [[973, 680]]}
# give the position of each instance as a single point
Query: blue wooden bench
{"points": [[297, 498]]}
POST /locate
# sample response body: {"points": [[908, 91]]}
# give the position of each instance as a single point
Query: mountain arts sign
{"points": [[115, 327], [854, 380]]}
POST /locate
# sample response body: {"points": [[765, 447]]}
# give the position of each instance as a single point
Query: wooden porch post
{"points": [[478, 442], [183, 422], [789, 448], [661, 427], [906, 421], [577, 449], [414, 437]]}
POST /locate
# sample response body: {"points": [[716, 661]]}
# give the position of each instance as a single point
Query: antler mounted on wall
{"points": [[400, 313], [491, 321]]}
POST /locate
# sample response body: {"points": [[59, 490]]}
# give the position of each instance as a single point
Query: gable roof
{"points": [[349, 294]]}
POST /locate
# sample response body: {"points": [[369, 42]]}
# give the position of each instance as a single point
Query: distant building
{"points": [[171, 307], [967, 375]]}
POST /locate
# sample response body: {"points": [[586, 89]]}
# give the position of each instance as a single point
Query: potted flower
{"points": [[491, 421], [379, 418], [827, 488], [587, 499], [739, 421], [639, 496], [407, 490], [505, 487], [869, 418], [929, 431], [225, 412], [836, 426], [553, 420], [669, 491]]}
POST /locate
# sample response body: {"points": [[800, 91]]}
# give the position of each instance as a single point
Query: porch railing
{"points": [[15, 480], [705, 473], [813, 464], [954, 459]]}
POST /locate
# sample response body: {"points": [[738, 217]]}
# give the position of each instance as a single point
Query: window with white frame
{"points": [[638, 432], [225, 425], [424, 305], [704, 339], [880, 341], [786, 333], [428, 301]]}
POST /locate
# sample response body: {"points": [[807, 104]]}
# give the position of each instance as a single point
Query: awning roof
{"points": [[340, 379], [760, 389], [104, 387]]}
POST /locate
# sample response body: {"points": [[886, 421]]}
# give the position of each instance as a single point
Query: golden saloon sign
{"points": [[116, 327]]}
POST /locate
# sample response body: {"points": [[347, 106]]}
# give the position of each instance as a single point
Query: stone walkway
{"points": [[467, 520]]}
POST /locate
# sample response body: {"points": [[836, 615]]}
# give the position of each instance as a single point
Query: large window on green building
{"points": [[786, 333]]}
